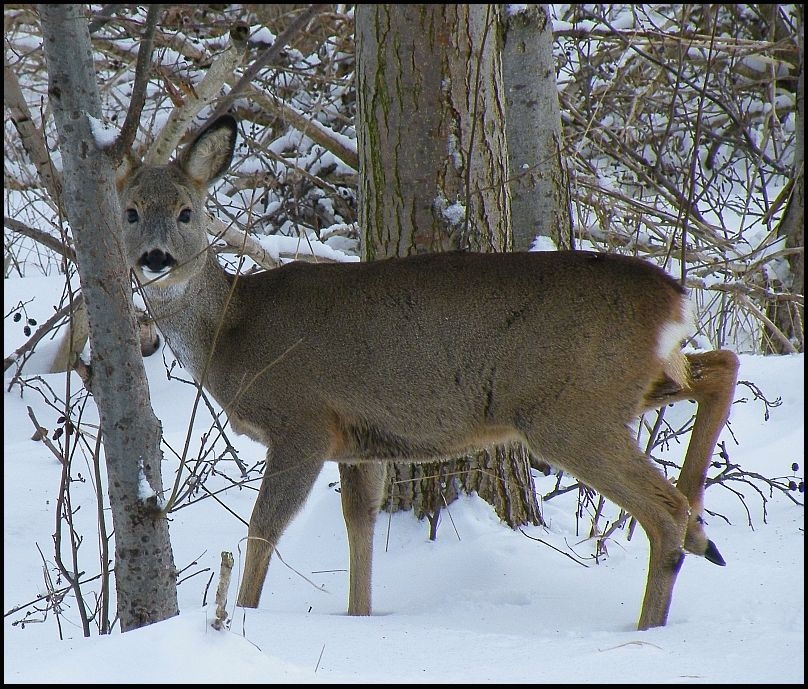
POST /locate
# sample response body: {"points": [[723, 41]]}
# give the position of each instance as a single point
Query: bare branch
{"points": [[43, 238], [130, 125], [242, 243], [204, 93], [42, 330], [221, 592], [33, 140], [267, 57], [327, 138]]}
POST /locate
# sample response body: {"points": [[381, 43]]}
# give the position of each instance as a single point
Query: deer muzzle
{"points": [[156, 262]]}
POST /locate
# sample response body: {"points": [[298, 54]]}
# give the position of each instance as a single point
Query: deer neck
{"points": [[191, 313]]}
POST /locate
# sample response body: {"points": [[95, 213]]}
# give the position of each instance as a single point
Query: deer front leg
{"points": [[287, 481], [361, 487]]}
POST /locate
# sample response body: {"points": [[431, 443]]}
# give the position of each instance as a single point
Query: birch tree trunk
{"points": [[145, 576], [432, 171], [540, 204]]}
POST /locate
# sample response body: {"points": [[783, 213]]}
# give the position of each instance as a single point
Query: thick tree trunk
{"points": [[145, 575], [433, 170], [789, 316], [540, 204]]}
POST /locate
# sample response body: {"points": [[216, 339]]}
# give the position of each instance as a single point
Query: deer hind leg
{"points": [[711, 383], [608, 460], [291, 471], [361, 487]]}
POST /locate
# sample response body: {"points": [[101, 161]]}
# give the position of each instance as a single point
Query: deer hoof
{"points": [[713, 555]]}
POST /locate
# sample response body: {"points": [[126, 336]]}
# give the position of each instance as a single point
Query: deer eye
{"points": [[131, 215], [185, 215]]}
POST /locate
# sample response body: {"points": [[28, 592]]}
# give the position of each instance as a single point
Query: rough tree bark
{"points": [[540, 204], [433, 171], [789, 316], [145, 574]]}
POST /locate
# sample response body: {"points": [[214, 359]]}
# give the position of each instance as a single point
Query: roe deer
{"points": [[427, 357]]}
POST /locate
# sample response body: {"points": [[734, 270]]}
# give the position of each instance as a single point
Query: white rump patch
{"points": [[676, 330]]}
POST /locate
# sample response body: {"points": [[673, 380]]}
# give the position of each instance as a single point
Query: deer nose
{"points": [[157, 260]]}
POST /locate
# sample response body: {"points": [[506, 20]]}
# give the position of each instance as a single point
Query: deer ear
{"points": [[209, 156]]}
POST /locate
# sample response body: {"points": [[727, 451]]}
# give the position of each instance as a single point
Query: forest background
{"points": [[682, 143]]}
